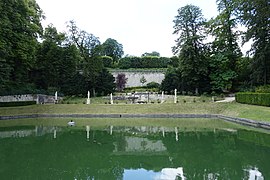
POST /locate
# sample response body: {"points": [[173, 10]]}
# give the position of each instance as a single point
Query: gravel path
{"points": [[227, 99]]}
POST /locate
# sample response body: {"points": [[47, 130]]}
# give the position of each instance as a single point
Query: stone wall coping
{"points": [[243, 121]]}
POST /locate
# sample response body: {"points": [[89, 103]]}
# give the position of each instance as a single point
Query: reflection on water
{"points": [[171, 173], [254, 174], [176, 134], [133, 145], [133, 153], [164, 174], [34, 131]]}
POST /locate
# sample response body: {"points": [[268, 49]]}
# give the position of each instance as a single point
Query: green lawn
{"points": [[230, 109]]}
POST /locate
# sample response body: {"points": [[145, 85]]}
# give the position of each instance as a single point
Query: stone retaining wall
{"points": [[16, 98], [133, 78], [247, 122], [39, 98], [243, 121]]}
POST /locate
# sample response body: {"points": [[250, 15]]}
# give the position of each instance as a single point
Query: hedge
{"points": [[17, 103], [144, 62], [261, 99]]}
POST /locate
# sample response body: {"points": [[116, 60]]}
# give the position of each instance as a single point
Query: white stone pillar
{"points": [[175, 96], [176, 133], [196, 91], [87, 132], [111, 130], [88, 98], [163, 132], [55, 97], [162, 97], [54, 133], [111, 99], [37, 100]]}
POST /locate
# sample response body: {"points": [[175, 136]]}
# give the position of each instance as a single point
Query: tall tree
{"points": [[172, 80], [50, 34], [105, 83], [244, 69], [56, 63], [68, 67], [91, 64], [86, 42], [254, 14], [112, 48], [189, 25], [225, 49], [48, 66], [91, 70], [19, 28]]}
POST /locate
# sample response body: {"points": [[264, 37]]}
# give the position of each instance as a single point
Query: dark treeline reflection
{"points": [[119, 152]]}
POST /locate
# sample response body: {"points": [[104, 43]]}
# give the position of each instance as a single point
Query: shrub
{"points": [[153, 85], [262, 99], [17, 103], [143, 62], [263, 89]]}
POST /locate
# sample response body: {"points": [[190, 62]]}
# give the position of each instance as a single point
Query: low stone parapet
{"points": [[243, 121], [39, 98]]}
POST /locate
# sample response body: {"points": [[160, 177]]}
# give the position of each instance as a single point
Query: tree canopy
{"points": [[255, 16], [19, 29], [224, 49], [218, 65], [189, 25], [34, 59], [112, 49]]}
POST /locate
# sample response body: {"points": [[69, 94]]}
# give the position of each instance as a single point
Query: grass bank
{"points": [[229, 109]]}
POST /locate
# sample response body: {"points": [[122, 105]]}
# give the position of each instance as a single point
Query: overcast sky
{"points": [[139, 25]]}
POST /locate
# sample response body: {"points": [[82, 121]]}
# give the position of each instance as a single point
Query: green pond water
{"points": [[39, 152]]}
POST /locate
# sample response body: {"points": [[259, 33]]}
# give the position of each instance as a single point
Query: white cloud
{"points": [[140, 25]]}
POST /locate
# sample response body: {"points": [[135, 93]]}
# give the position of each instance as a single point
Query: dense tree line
{"points": [[145, 62], [219, 65], [36, 59], [19, 29]]}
